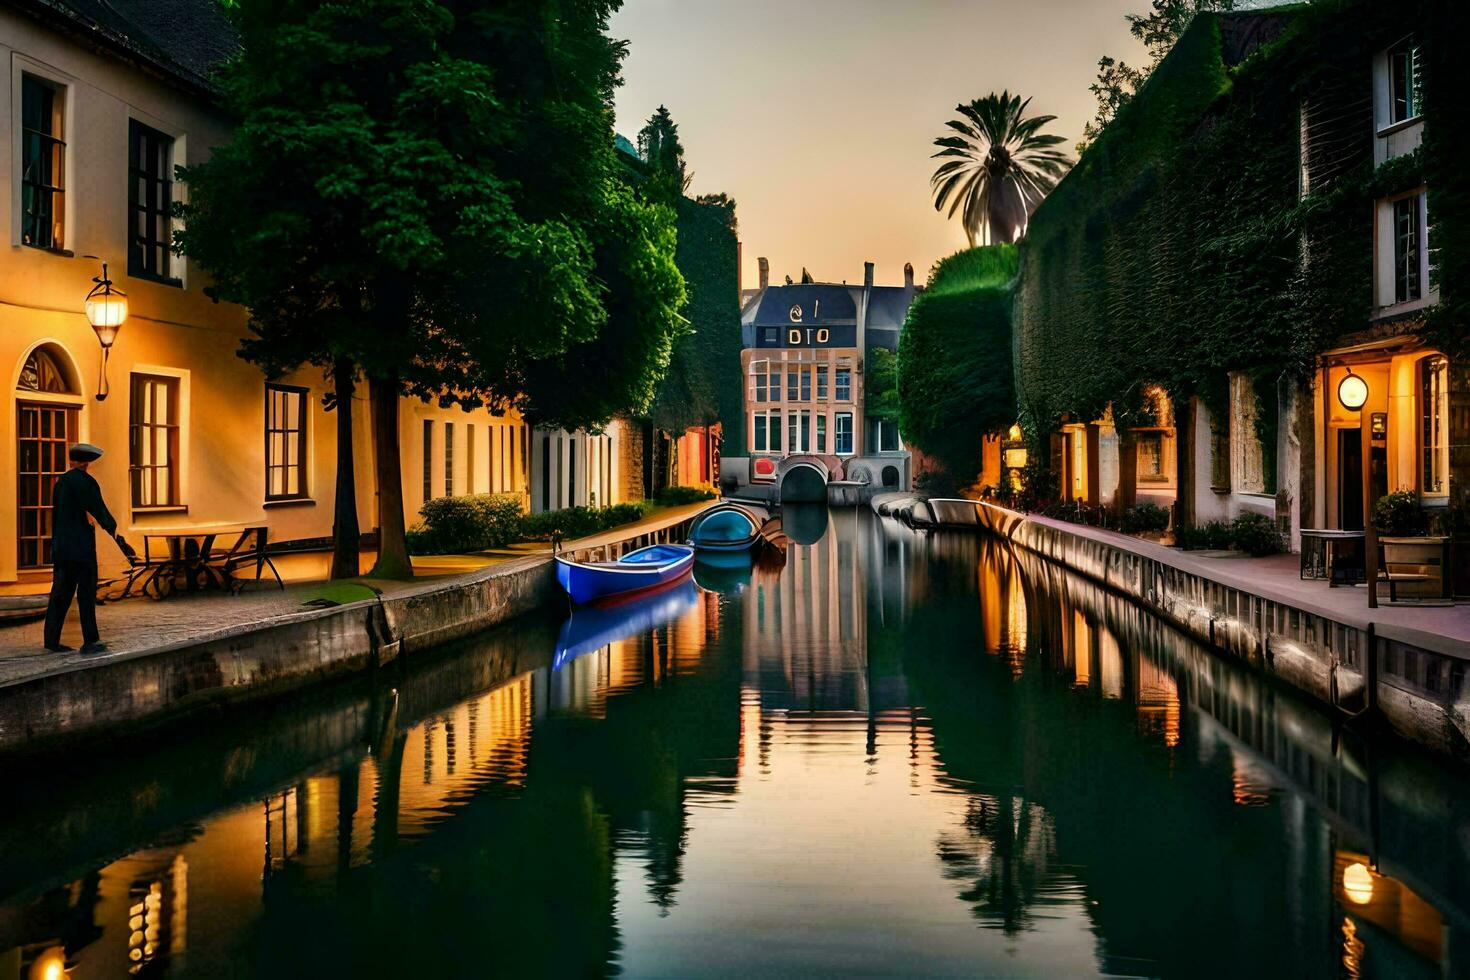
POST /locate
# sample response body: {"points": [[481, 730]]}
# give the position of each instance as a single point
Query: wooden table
{"points": [[1323, 556], [183, 553]]}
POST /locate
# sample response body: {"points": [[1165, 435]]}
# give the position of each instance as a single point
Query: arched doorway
{"points": [[47, 408]]}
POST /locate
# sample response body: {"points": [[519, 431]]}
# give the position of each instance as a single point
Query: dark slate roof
{"points": [[820, 302], [183, 40], [828, 303], [888, 306]]}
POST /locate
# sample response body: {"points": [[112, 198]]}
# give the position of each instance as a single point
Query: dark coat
{"points": [[72, 539]]}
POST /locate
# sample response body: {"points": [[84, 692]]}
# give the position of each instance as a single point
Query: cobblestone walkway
{"points": [[140, 624]]}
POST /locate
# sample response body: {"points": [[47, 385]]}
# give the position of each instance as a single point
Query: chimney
{"points": [[867, 275], [908, 275], [765, 266]]}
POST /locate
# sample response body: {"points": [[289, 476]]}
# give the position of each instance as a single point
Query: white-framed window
{"points": [[775, 378], [821, 382], [844, 385], [792, 383], [758, 374], [821, 433], [806, 384], [842, 432], [792, 444], [1434, 413], [765, 433], [1408, 248], [1403, 82], [885, 436]]}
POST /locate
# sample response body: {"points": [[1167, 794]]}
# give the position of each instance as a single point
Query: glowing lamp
{"points": [[1352, 391], [50, 965], [1357, 883], [1015, 433], [107, 309]]}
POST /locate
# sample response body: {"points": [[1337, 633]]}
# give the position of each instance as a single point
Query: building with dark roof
{"points": [[804, 350]]}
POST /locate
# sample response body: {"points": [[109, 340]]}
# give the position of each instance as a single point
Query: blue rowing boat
{"points": [[646, 568]]}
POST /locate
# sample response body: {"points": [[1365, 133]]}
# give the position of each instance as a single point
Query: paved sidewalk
{"points": [[136, 625], [1279, 577]]}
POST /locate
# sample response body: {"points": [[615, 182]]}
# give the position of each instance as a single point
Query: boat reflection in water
{"points": [[590, 628], [895, 753]]}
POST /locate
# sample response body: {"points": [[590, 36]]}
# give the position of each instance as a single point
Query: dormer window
{"points": [[1403, 82]]}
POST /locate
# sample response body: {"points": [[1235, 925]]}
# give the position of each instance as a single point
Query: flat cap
{"points": [[84, 452]]}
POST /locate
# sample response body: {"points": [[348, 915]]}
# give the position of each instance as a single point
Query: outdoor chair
{"points": [[140, 573], [250, 549]]}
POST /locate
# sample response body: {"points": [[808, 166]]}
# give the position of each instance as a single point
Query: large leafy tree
{"points": [[1117, 81], [998, 167], [421, 192]]}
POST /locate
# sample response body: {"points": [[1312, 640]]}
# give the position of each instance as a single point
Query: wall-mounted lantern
{"points": [[1352, 391], [107, 309]]}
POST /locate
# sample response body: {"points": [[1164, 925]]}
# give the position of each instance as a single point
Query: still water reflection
{"points": [[897, 754]]}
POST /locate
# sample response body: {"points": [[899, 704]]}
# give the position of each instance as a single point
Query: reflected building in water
{"points": [[1046, 753]]}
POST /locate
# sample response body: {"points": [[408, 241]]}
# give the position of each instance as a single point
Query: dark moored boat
{"points": [[646, 568], [728, 527]]}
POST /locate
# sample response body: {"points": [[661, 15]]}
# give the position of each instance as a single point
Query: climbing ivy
{"points": [[1182, 246]]}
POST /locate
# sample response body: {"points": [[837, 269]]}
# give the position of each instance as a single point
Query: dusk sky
{"points": [[817, 116]]}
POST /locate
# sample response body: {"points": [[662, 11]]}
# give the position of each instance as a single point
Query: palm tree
{"points": [[998, 169]]}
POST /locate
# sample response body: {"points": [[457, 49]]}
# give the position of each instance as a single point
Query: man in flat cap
{"points": [[74, 549]]}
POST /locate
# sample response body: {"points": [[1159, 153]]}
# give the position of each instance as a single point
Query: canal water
{"points": [[892, 754]]}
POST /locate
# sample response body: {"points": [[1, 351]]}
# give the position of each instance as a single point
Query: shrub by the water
{"points": [[469, 523], [578, 522], [1399, 514], [1145, 519], [1213, 536], [452, 525], [1256, 534], [676, 496]]}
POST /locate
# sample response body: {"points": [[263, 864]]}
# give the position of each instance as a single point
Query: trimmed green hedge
{"points": [[454, 525], [474, 522], [955, 377]]}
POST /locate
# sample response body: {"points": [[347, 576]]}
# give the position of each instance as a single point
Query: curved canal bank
{"points": [[929, 753], [1401, 665]]}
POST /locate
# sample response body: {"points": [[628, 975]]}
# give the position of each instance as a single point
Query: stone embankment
{"points": [[279, 653], [1401, 664]]}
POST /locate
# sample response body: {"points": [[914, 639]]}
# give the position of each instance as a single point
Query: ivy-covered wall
{"points": [[703, 382], [954, 364], [1184, 244]]}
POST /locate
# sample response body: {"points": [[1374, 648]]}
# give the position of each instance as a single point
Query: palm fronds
{"points": [[997, 169]]}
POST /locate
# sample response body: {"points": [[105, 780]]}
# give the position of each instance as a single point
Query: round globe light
{"points": [[1357, 883], [1352, 391]]}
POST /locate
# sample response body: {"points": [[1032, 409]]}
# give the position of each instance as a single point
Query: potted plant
{"points": [[1414, 561]]}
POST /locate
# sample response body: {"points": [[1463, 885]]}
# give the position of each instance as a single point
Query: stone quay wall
{"points": [[274, 656], [1411, 679]]}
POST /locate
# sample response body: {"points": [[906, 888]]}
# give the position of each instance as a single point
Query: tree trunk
{"points": [[393, 561], [346, 535]]}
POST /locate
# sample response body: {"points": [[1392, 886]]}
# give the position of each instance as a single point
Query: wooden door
{"points": [[44, 434]]}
